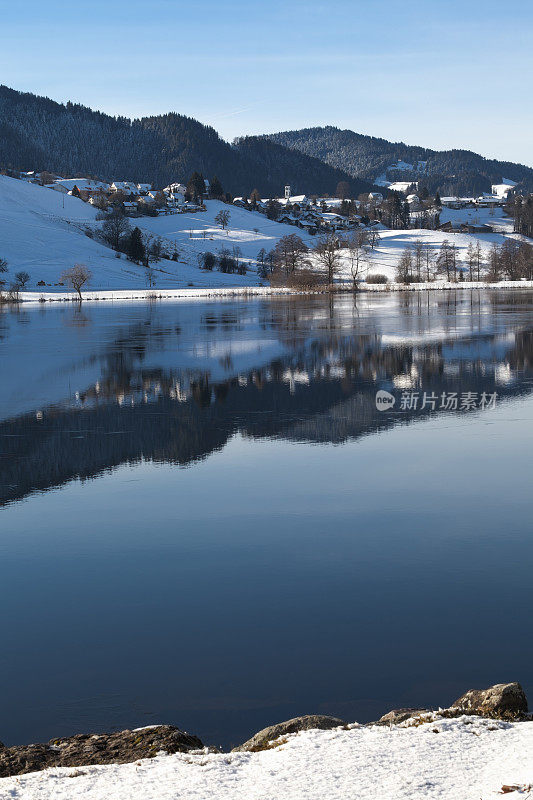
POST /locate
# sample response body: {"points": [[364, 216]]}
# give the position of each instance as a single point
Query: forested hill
{"points": [[37, 133], [449, 171]]}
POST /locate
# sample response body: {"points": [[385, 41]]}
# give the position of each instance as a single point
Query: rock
{"points": [[398, 715], [504, 700], [106, 748], [262, 740]]}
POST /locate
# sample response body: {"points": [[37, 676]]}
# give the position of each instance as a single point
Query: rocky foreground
{"points": [[504, 701]]}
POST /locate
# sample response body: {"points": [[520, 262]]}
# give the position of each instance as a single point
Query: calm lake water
{"points": [[205, 520]]}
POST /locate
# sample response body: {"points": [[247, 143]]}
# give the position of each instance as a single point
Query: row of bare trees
{"points": [[512, 260], [293, 263]]}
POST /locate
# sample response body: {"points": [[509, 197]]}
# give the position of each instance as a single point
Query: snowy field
{"points": [[478, 216], [384, 258], [462, 759]]}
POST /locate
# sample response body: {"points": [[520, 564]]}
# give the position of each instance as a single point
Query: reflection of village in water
{"points": [[319, 386]]}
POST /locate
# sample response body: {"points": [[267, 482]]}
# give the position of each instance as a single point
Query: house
{"points": [[502, 189], [294, 200], [470, 227], [126, 187], [144, 188], [489, 201], [375, 197], [176, 193], [335, 221], [310, 226], [129, 207], [446, 226], [83, 185], [239, 201]]}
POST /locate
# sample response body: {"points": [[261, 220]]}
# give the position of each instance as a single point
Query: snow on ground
{"points": [[197, 233], [462, 759], [384, 258], [494, 217]]}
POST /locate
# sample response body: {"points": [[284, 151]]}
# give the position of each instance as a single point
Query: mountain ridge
{"points": [[37, 133], [453, 171]]}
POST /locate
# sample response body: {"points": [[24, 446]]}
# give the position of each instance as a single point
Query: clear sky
{"points": [[438, 73]]}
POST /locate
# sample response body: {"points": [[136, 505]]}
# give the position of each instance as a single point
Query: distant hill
{"points": [[37, 133], [449, 171]]}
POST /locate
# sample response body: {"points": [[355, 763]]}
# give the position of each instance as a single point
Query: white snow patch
{"points": [[460, 759]]}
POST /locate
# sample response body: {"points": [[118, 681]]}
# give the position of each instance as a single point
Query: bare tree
{"points": [[3, 270], [357, 254], [150, 277], [428, 258], [343, 190], [222, 219], [76, 277], [374, 237], [328, 255], [22, 278], [115, 228], [418, 253], [404, 268], [446, 259], [290, 254]]}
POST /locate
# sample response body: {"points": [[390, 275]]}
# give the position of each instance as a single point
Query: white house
{"points": [[176, 192], [126, 187], [295, 200], [144, 188], [83, 184], [502, 189]]}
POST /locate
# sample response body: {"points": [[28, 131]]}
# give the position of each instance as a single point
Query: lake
{"points": [[206, 520]]}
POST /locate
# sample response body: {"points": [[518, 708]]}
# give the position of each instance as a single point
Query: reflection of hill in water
{"points": [[323, 393]]}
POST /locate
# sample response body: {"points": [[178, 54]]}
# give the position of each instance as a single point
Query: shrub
{"points": [[377, 279]]}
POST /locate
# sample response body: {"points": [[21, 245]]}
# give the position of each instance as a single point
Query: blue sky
{"points": [[434, 73]]}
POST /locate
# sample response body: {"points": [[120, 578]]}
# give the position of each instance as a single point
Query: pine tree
{"points": [[136, 249], [196, 187], [216, 187]]}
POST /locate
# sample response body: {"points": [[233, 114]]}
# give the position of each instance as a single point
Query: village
{"points": [[313, 214]]}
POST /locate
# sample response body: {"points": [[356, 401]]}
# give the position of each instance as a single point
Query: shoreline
{"points": [[480, 746], [245, 292]]}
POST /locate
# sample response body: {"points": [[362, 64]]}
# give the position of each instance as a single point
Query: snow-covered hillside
{"points": [[460, 759], [43, 233], [198, 232]]}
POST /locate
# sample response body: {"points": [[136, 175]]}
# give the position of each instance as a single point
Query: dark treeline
{"points": [[37, 133], [449, 172], [521, 210]]}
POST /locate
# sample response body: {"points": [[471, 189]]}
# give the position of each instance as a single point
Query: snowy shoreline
{"points": [[215, 292], [480, 746]]}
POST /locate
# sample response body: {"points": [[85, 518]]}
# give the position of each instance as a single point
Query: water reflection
{"points": [[174, 384]]}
